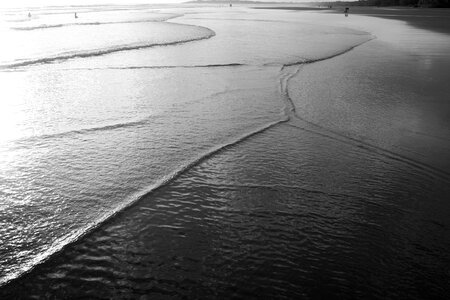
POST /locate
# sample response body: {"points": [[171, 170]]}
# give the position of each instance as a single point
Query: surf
{"points": [[298, 121], [206, 33], [50, 26]]}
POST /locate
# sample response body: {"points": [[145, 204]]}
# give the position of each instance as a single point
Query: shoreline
{"points": [[435, 19], [292, 190]]}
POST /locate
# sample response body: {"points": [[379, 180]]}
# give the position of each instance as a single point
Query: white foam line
{"points": [[133, 199], [329, 133], [50, 26], [100, 52], [310, 61]]}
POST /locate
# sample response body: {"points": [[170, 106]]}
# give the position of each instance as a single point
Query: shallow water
{"points": [[264, 190], [391, 93], [241, 225]]}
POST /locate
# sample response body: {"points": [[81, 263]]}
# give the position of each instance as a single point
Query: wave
{"points": [[39, 138], [328, 133], [44, 26], [288, 115], [317, 129], [48, 26], [310, 61], [61, 244], [162, 67], [18, 20], [100, 52], [244, 20]]}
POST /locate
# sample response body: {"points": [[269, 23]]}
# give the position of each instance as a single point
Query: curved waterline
{"points": [[100, 52], [59, 245], [105, 51], [317, 129], [50, 26], [287, 113]]}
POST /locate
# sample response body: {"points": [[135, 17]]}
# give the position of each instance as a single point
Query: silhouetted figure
{"points": [[346, 11], [29, 15], [76, 17], [231, 5]]}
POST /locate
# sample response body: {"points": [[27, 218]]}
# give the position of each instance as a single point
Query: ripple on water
{"points": [[254, 220]]}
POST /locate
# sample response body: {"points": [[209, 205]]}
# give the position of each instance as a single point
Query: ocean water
{"points": [[215, 152]]}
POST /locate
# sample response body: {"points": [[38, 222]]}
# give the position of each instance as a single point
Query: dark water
{"points": [[322, 220]]}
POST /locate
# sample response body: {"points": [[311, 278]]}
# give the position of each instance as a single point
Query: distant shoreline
{"points": [[360, 3], [436, 19]]}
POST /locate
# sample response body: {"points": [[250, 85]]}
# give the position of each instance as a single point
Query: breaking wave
{"points": [[104, 51], [78, 234], [162, 67], [300, 122], [48, 26]]}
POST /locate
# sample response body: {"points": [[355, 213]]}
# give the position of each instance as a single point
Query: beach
{"points": [[204, 157]]}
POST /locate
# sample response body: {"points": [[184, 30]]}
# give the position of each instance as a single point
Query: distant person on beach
{"points": [[346, 11], [231, 5], [29, 15], [76, 17]]}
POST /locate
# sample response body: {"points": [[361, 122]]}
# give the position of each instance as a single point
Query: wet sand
{"points": [[399, 78], [426, 18], [436, 19]]}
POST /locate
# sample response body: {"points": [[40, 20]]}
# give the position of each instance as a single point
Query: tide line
{"points": [[159, 67], [100, 52], [317, 129], [49, 26], [61, 244]]}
